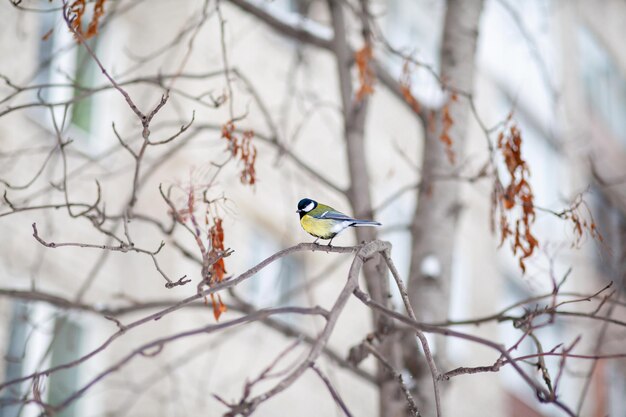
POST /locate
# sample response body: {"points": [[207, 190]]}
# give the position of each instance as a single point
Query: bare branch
{"points": [[332, 390]]}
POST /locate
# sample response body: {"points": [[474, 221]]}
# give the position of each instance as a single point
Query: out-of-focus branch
{"points": [[321, 38], [397, 376], [435, 219], [332, 390], [143, 117], [116, 314], [227, 283], [533, 47], [420, 335], [291, 331], [156, 346], [246, 406], [543, 395], [354, 107]]}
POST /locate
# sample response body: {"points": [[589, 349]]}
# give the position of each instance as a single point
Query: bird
{"points": [[324, 222]]}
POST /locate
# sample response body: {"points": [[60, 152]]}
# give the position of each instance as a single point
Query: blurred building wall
{"points": [[563, 123]]}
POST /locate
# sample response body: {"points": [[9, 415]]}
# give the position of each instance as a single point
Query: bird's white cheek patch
{"points": [[309, 207]]}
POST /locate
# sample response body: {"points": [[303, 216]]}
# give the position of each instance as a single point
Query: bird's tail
{"points": [[365, 223]]}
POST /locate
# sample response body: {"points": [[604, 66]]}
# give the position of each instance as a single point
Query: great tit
{"points": [[324, 222]]}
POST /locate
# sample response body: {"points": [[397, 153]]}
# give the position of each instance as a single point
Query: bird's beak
{"points": [[298, 211]]}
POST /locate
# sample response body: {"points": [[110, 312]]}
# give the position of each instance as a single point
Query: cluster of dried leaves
{"points": [[362, 59], [242, 149], [77, 11], [406, 83], [218, 268], [581, 218], [513, 204], [210, 242], [446, 124]]}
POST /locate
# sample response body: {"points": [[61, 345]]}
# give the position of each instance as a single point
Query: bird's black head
{"points": [[305, 205]]}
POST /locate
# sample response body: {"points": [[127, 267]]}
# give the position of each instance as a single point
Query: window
{"points": [[612, 225], [604, 85], [40, 337], [65, 347], [277, 284], [414, 27], [616, 383], [82, 109], [296, 6], [14, 359], [63, 61]]}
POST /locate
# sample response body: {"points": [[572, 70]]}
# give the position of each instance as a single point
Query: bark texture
{"points": [[375, 271], [436, 216], [435, 220]]}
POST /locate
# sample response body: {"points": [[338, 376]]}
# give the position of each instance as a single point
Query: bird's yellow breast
{"points": [[322, 228]]}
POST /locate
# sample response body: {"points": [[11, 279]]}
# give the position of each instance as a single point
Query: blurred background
{"points": [[555, 69]]}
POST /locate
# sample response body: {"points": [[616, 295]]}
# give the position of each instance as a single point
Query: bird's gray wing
{"points": [[349, 221], [334, 215]]}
